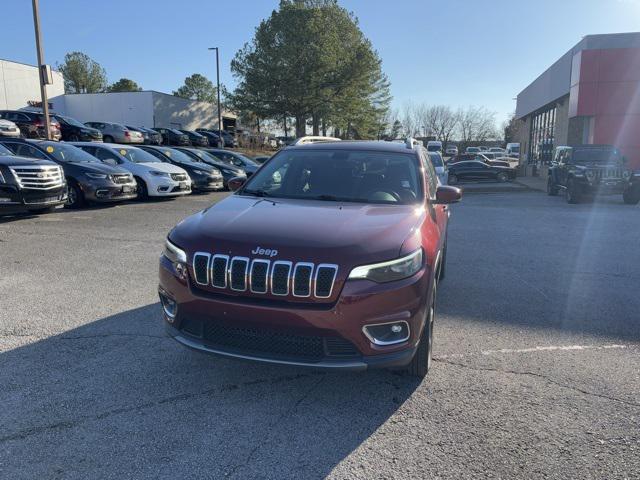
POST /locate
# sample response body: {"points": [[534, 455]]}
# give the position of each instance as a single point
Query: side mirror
{"points": [[235, 183], [446, 194]]}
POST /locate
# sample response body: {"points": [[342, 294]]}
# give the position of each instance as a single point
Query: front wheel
{"points": [[75, 198], [631, 196], [421, 361], [502, 177], [573, 196], [141, 189]]}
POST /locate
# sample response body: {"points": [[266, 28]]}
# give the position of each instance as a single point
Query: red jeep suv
{"points": [[328, 256]]}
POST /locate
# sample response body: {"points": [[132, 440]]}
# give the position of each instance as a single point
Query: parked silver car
{"points": [[116, 133], [9, 129]]}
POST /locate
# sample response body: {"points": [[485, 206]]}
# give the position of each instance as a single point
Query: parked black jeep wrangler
{"points": [[589, 170]]}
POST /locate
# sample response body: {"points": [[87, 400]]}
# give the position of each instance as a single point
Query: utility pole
{"points": [[44, 71], [218, 81]]}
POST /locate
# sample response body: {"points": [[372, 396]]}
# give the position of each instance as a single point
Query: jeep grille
{"points": [[280, 278]]}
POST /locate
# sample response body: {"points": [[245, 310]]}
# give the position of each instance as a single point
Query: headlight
{"points": [[392, 270], [626, 174], [215, 171], [2, 180], [173, 253], [200, 172], [101, 176], [159, 174]]}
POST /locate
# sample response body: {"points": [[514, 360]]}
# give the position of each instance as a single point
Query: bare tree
{"points": [[409, 118], [440, 121], [477, 124]]}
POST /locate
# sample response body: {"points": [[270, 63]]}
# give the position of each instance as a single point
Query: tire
{"points": [[552, 188], [107, 139], [75, 196], [502, 177], [453, 179], [421, 361], [572, 195], [141, 189], [631, 196]]}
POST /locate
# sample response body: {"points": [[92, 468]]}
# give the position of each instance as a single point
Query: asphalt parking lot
{"points": [[536, 373]]}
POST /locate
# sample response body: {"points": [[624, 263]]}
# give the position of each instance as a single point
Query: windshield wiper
{"points": [[333, 198], [256, 193]]}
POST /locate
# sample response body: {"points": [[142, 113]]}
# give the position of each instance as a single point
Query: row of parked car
{"points": [[40, 175], [27, 124]]}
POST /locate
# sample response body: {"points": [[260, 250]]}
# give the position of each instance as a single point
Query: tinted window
{"points": [[25, 150], [340, 175], [177, 155], [137, 155], [5, 151], [436, 159], [70, 121], [593, 155], [105, 154], [68, 153]]}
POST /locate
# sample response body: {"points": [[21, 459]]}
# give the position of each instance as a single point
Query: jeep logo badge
{"points": [[264, 251]]}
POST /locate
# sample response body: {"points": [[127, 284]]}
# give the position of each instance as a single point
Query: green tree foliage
{"points": [[197, 87], [309, 60], [82, 74], [124, 85]]}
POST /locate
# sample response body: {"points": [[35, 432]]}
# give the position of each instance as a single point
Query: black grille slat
{"points": [[264, 342], [219, 271], [258, 275], [280, 278], [302, 280], [201, 268], [325, 276], [238, 274], [340, 347]]}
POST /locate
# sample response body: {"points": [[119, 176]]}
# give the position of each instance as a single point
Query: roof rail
{"points": [[411, 142], [312, 139]]}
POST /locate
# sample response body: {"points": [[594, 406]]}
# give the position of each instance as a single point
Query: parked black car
{"points": [[477, 170], [196, 139], [589, 170], [29, 185], [228, 138], [214, 139], [228, 171], [31, 124], [204, 177], [171, 136], [74, 131], [261, 159], [88, 179], [236, 159]]}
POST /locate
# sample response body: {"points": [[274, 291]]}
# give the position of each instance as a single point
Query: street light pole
{"points": [[218, 81], [41, 70]]}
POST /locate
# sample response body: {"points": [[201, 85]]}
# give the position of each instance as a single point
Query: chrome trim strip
{"points": [[193, 262], [293, 278], [266, 275], [383, 344], [273, 268], [333, 281], [226, 264], [246, 272]]}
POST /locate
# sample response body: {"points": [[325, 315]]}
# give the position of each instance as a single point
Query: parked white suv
{"points": [[155, 178], [9, 129]]}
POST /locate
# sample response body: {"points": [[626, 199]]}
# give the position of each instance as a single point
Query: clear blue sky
{"points": [[457, 52]]}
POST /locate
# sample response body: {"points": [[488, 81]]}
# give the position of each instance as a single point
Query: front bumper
{"points": [[16, 200], [605, 187], [165, 187], [208, 184], [241, 327], [109, 192]]}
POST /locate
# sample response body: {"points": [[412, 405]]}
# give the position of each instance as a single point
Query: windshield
{"points": [[70, 121], [137, 155], [340, 175], [68, 153], [595, 155], [177, 155], [434, 148], [5, 151], [436, 159]]}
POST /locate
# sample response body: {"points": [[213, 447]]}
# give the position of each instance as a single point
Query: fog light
{"points": [[387, 333], [169, 306], [4, 199]]}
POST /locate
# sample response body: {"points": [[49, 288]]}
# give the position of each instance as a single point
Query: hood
{"points": [[11, 160], [7, 123], [163, 167], [347, 234], [100, 168]]}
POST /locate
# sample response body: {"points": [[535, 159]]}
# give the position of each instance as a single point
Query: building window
{"points": [[542, 136]]}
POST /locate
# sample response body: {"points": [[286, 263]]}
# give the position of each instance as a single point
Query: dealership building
{"points": [[591, 95], [20, 89]]}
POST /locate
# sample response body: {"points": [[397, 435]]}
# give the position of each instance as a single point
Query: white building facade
{"points": [[20, 86]]}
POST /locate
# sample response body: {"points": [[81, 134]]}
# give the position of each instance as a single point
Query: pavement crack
{"points": [[67, 424], [263, 441], [539, 375]]}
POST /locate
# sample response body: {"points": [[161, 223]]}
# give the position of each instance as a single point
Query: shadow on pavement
{"points": [[118, 398]]}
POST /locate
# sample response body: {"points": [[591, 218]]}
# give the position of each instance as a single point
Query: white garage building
{"points": [[20, 86]]}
